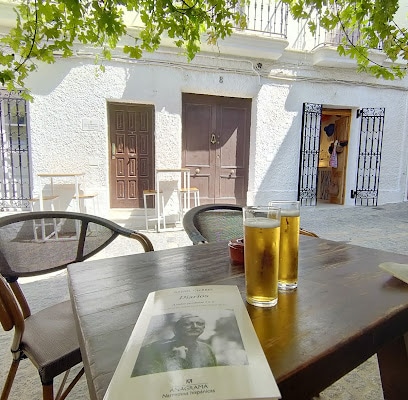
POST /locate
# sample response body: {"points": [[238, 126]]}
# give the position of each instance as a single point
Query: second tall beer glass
{"points": [[289, 243], [261, 252]]}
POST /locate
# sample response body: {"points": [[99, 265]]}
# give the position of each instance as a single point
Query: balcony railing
{"points": [[339, 35], [267, 16]]}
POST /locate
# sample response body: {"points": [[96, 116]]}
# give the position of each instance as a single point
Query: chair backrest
{"points": [[10, 312], [217, 222], [214, 223], [35, 243]]}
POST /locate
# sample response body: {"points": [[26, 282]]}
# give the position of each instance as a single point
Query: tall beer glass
{"points": [[289, 243], [261, 252]]}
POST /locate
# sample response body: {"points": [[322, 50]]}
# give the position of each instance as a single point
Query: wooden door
{"points": [[131, 136], [216, 146]]}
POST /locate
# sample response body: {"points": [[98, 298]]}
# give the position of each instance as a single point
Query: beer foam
{"points": [[262, 222], [289, 213]]}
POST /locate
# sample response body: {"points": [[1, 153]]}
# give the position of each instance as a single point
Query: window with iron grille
{"points": [[15, 177]]}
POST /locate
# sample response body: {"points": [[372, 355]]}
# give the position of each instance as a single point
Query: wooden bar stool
{"points": [[51, 199], [185, 202], [54, 233], [82, 197], [152, 192]]}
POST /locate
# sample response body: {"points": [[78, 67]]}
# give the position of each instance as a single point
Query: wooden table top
{"points": [[345, 310]]}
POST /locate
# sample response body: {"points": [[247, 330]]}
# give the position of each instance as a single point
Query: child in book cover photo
{"points": [[183, 341]]}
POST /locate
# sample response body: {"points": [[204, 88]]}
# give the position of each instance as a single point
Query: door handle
{"points": [[213, 139], [197, 170], [231, 172], [113, 150]]}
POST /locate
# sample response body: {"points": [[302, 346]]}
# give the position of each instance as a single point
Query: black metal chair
{"points": [[36, 243], [213, 223], [217, 222]]}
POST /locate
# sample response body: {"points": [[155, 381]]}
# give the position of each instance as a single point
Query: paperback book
{"points": [[194, 342], [400, 271]]}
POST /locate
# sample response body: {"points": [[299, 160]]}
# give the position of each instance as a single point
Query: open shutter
{"points": [[309, 154], [369, 156]]}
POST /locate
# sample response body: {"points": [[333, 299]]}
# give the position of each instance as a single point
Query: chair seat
{"points": [[44, 331]]}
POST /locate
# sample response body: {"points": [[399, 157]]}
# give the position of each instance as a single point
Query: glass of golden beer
{"points": [[289, 243], [261, 252]]}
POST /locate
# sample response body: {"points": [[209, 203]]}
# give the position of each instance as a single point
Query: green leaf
{"points": [[133, 52]]}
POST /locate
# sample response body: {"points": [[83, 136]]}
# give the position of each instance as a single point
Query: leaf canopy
{"points": [[374, 21], [47, 28]]}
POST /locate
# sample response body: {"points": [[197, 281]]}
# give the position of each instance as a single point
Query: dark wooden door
{"points": [[216, 146], [131, 135]]}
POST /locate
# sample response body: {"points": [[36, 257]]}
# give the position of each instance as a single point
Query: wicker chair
{"points": [[217, 222], [35, 243]]}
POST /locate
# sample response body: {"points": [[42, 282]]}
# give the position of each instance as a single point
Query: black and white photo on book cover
{"points": [[193, 343], [177, 341]]}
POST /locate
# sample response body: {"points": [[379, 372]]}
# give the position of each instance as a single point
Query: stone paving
{"points": [[384, 227]]}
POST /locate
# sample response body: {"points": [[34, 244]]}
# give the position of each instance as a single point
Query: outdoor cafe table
{"points": [[345, 310]]}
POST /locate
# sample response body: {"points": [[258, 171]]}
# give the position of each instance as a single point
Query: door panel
{"points": [[216, 146], [198, 118], [131, 134], [233, 152]]}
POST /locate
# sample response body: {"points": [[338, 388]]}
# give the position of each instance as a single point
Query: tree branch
{"points": [[33, 40]]}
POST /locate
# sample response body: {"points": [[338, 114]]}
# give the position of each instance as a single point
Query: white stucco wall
{"points": [[77, 92], [72, 92], [69, 127]]}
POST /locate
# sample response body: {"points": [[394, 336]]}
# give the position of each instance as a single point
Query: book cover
{"points": [[194, 342]]}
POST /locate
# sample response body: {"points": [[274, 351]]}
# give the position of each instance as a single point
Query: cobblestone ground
{"points": [[384, 227]]}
